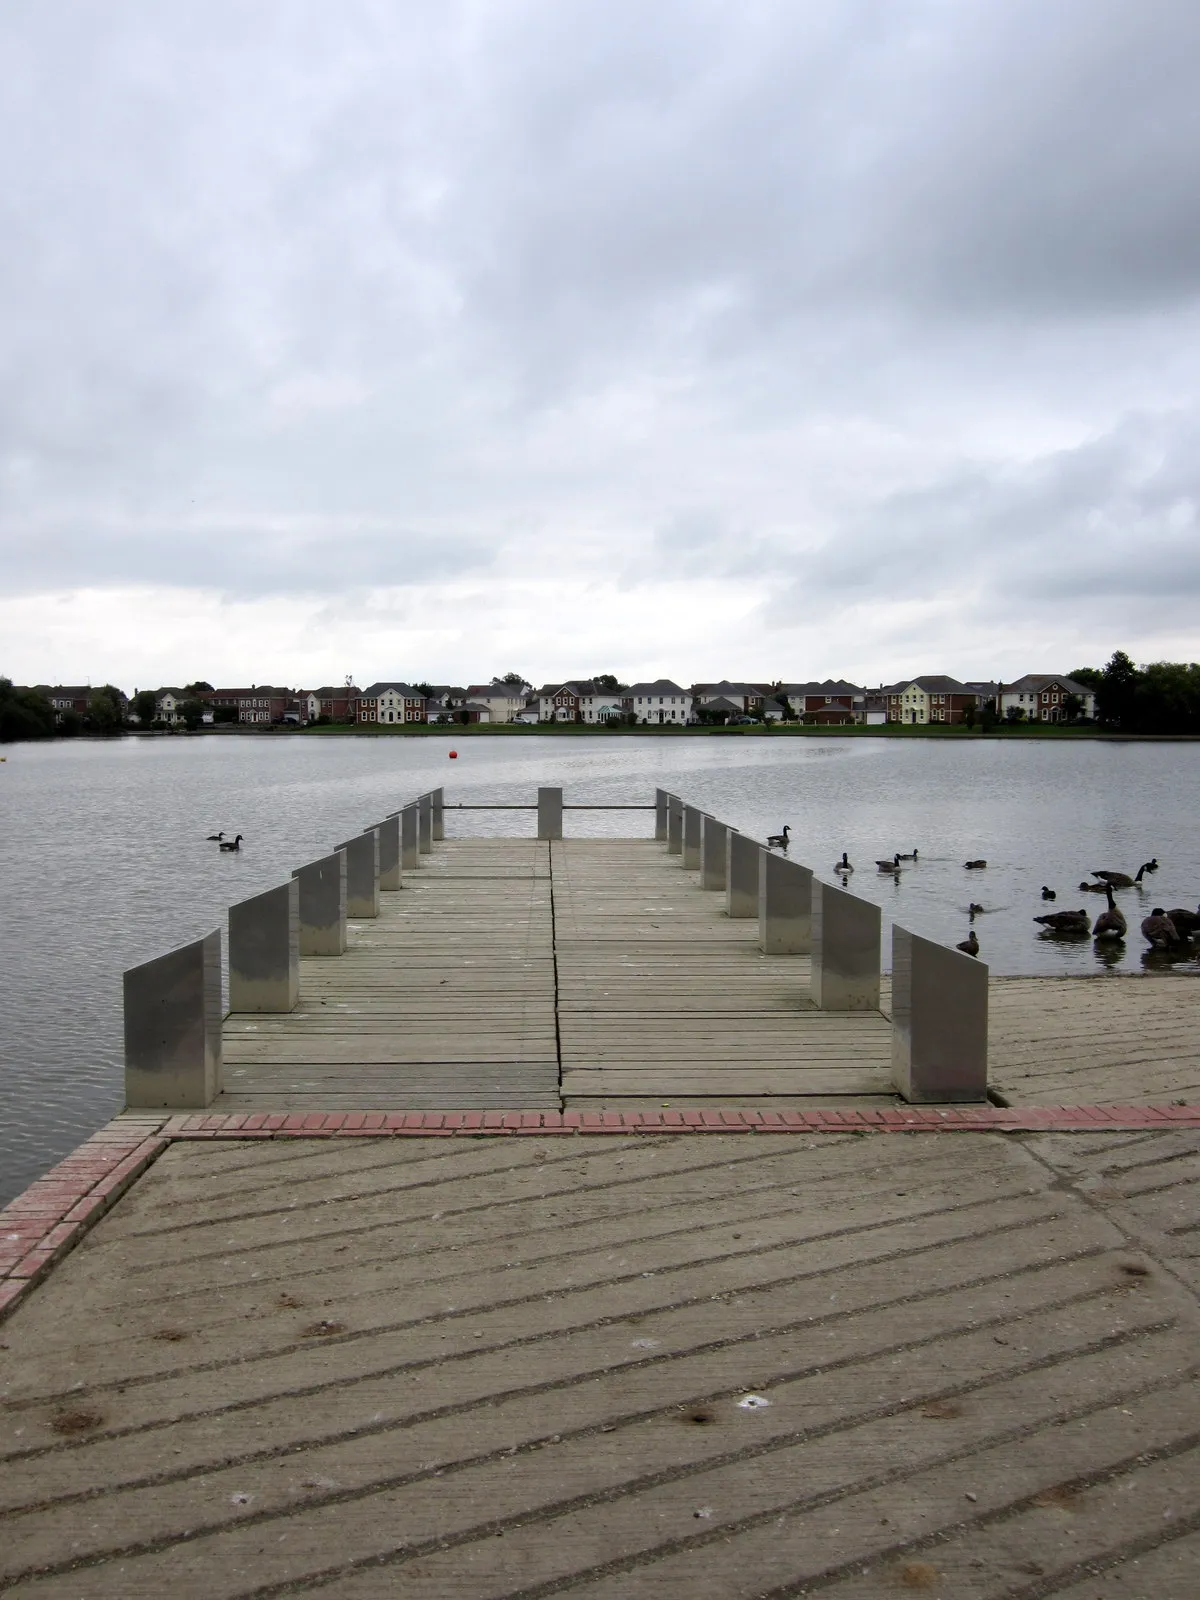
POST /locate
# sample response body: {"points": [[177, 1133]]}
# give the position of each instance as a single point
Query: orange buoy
{"points": [[454, 755]]}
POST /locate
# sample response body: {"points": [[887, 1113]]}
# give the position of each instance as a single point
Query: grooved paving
{"points": [[730, 1366]]}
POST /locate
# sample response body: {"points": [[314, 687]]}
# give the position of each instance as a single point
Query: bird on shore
{"points": [[231, 844], [215, 838], [844, 864], [779, 840], [912, 856], [1159, 930], [1110, 924], [1048, 894], [974, 866], [970, 945], [1066, 921], [1187, 923], [1122, 880], [889, 866]]}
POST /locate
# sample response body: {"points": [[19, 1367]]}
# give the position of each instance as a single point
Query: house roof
{"points": [[833, 686], [328, 692], [727, 688], [374, 690], [721, 703], [932, 683], [662, 686], [1033, 681]]}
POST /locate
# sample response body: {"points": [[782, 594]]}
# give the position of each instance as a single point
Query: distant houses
{"points": [[930, 699]]}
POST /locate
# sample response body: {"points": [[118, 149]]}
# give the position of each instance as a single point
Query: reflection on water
{"points": [[104, 858]]}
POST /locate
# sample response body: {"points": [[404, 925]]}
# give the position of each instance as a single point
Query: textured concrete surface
{"points": [[743, 1365]]}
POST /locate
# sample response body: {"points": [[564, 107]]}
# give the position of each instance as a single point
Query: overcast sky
{"points": [[777, 338]]}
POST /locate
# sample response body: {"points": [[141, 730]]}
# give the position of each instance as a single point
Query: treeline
{"points": [[26, 714], [1163, 697]]}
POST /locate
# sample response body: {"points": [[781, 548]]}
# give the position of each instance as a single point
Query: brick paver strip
{"points": [[39, 1226]]}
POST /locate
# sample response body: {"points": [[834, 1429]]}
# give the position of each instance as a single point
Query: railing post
{"points": [[410, 845], [712, 853], [939, 1021], [784, 906], [389, 852], [173, 1028], [425, 823], [439, 814], [691, 839], [660, 815], [741, 874], [264, 950], [845, 950], [323, 905], [674, 825], [362, 874], [550, 814]]}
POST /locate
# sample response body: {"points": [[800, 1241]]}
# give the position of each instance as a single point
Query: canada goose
{"points": [[974, 864], [844, 864], [1122, 880], [779, 839], [215, 838], [1186, 923], [1159, 929], [1151, 865], [231, 844], [970, 945], [1110, 924], [1093, 888], [1048, 894], [1066, 921], [889, 866], [912, 856]]}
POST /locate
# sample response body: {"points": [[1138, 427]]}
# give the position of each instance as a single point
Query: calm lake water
{"points": [[104, 860]]}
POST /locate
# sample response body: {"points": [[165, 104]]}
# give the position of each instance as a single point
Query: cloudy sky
{"points": [[777, 338]]}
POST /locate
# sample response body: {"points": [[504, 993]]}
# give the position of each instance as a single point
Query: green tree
{"points": [[105, 713], [607, 684], [227, 714], [1116, 693], [194, 688], [1072, 707], [24, 714], [515, 679], [192, 712], [145, 706]]}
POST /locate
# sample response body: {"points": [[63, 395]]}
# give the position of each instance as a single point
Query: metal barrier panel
{"points": [[173, 1029], [439, 814], [264, 950], [323, 905], [674, 825], [691, 838], [712, 853], [784, 906], [410, 838], [939, 1021], [550, 813], [388, 833], [425, 823], [362, 874], [845, 950], [660, 814], [741, 874]]}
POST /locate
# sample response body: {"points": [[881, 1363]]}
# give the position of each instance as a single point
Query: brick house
{"points": [[339, 704], [833, 702], [1043, 697], [747, 697], [934, 698]]}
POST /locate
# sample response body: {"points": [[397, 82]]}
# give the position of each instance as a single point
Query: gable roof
{"points": [[1033, 681], [662, 686], [406, 689]]}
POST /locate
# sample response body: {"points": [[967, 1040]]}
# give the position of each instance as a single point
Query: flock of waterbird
{"points": [[222, 843], [1162, 930]]}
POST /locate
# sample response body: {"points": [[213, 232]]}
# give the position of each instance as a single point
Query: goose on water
{"points": [[1066, 921], [1159, 930], [1187, 923], [215, 838], [889, 866], [844, 864], [974, 865], [1048, 894], [970, 945], [911, 856], [779, 840], [1093, 888], [1122, 880], [1110, 924], [231, 844]]}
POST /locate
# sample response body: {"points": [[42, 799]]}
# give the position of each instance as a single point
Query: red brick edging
{"points": [[43, 1224]]}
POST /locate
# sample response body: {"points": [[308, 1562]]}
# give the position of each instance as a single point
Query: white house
{"points": [[505, 701], [658, 703], [391, 702], [1043, 697]]}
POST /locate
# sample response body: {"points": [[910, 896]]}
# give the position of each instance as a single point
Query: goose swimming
{"points": [[215, 838], [1110, 924], [912, 856], [231, 844], [844, 864], [1066, 921], [889, 866], [779, 840], [1122, 880], [974, 865]]}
